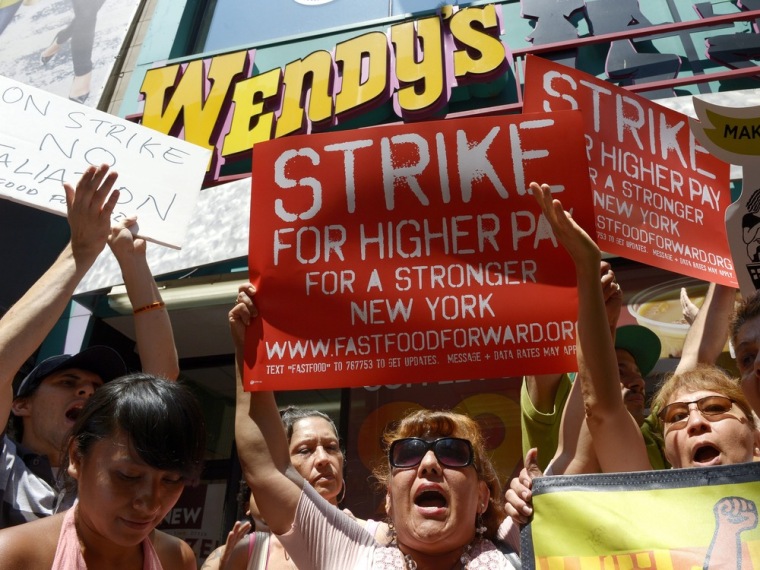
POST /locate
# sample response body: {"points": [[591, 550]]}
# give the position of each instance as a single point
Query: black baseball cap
{"points": [[100, 360], [643, 344]]}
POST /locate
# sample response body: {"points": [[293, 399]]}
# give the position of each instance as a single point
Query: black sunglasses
{"points": [[450, 452]]}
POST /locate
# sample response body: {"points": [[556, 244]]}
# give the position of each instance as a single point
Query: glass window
{"points": [[401, 7], [242, 22]]}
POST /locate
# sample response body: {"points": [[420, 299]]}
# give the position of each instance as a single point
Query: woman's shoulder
{"points": [[173, 552], [377, 529], [237, 559], [30, 545], [239, 555]]}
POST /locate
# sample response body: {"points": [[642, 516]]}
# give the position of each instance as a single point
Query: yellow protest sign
{"points": [[676, 520]]}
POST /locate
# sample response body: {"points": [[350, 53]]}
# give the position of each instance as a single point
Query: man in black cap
{"points": [[48, 400]]}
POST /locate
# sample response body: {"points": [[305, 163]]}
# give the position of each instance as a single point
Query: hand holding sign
{"points": [[242, 314], [123, 239], [518, 498]]}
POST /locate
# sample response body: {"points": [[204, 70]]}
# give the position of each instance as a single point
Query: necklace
{"points": [[464, 559], [288, 561]]}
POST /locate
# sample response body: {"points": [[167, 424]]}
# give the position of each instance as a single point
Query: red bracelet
{"points": [[153, 306]]}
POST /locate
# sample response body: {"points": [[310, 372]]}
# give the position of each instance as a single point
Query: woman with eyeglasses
{"points": [[705, 416], [443, 497]]}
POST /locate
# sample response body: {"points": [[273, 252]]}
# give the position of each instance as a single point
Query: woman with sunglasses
{"points": [[443, 498], [705, 416]]}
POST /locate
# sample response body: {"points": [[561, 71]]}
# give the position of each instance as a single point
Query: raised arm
{"points": [[261, 442], [575, 451], [541, 401], [708, 333], [616, 437], [153, 329], [28, 322]]}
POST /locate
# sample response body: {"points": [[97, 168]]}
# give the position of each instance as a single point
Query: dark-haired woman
{"points": [[136, 444], [316, 454]]}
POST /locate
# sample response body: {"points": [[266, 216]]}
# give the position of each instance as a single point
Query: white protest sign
{"points": [[46, 140], [733, 135]]}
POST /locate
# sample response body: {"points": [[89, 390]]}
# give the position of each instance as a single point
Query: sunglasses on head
{"points": [[676, 415], [449, 451]]}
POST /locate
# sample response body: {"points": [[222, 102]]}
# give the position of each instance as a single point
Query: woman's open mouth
{"points": [[706, 454], [431, 500]]}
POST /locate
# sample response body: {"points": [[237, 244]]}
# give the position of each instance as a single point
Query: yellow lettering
{"points": [[250, 124], [197, 98], [419, 65], [481, 52], [308, 79], [363, 62], [189, 106]]}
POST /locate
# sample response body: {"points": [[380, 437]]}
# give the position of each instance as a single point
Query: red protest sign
{"points": [[413, 252], [659, 197]]}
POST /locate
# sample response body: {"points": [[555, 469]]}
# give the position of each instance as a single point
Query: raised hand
{"points": [[89, 207], [241, 314], [519, 496], [613, 294], [123, 242], [573, 238]]}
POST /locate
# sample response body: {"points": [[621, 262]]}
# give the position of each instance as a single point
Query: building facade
{"points": [[228, 74]]}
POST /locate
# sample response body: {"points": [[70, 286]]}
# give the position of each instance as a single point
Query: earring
{"points": [[392, 538], [480, 527], [342, 494]]}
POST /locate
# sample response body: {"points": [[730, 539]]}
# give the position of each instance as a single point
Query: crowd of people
{"points": [[95, 455]]}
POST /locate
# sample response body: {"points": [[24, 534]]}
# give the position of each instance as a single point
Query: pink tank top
{"points": [[68, 555]]}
